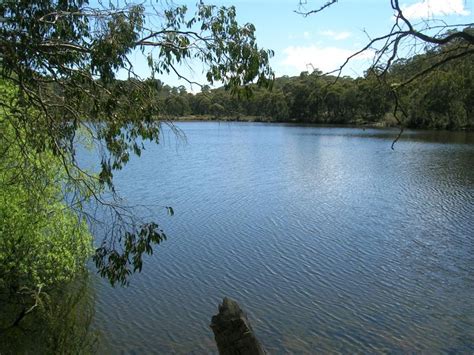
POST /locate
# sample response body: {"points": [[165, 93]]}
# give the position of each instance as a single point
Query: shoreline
{"points": [[351, 124]]}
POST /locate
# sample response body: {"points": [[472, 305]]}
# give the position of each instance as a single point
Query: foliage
{"points": [[446, 43], [63, 56], [117, 266], [42, 242], [442, 99]]}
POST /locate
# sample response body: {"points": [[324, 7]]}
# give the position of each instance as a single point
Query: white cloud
{"points": [[336, 35], [306, 35], [430, 8], [323, 58]]}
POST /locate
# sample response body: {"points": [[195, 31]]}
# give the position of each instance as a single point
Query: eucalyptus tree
{"points": [[62, 58]]}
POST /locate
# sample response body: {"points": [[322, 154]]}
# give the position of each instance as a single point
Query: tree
{"points": [[43, 243], [374, 96], [446, 43], [63, 56], [217, 110]]}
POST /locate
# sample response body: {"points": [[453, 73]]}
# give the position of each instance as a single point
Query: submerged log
{"points": [[232, 331]]}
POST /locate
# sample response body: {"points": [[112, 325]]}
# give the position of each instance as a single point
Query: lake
{"points": [[327, 238]]}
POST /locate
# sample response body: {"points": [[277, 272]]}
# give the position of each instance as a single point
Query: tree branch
{"points": [[302, 4]]}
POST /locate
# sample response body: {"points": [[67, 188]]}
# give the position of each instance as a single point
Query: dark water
{"points": [[329, 240], [60, 324]]}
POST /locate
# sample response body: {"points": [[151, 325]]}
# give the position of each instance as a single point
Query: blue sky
{"points": [[325, 39]]}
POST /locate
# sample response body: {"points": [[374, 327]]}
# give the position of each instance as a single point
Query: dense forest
{"points": [[442, 99]]}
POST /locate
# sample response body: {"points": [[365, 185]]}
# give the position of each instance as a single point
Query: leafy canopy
{"points": [[63, 56]]}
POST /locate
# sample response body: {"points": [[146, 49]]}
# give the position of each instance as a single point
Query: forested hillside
{"points": [[441, 99]]}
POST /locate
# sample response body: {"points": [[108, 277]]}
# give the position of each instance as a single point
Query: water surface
{"points": [[330, 240]]}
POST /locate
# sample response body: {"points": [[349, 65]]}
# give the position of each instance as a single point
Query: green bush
{"points": [[42, 241]]}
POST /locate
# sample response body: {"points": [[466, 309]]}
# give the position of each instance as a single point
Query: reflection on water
{"points": [[439, 137], [329, 239], [59, 325]]}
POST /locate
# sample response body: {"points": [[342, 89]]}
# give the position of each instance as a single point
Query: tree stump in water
{"points": [[232, 331]]}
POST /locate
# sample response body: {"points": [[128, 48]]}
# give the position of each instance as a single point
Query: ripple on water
{"points": [[330, 240]]}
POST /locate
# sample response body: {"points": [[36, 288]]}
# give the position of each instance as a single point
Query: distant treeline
{"points": [[441, 99]]}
